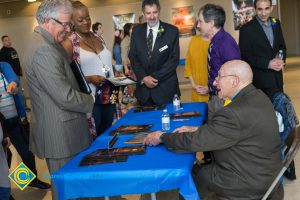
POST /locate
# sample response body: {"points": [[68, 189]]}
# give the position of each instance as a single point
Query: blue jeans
{"points": [[4, 193], [104, 116]]}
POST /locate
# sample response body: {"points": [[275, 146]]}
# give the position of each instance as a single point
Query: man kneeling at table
{"points": [[243, 137]]}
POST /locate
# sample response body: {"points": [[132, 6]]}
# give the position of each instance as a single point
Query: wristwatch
{"points": [[142, 82]]}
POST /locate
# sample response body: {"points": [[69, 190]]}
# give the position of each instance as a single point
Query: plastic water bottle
{"points": [[280, 54], [176, 103], [165, 120]]}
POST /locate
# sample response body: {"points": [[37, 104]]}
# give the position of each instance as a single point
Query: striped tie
{"points": [[149, 43]]}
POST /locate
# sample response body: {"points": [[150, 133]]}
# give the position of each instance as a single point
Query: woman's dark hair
{"points": [[95, 26], [127, 28], [118, 38]]}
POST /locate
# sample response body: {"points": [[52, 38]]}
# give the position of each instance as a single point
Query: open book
{"points": [[119, 81]]}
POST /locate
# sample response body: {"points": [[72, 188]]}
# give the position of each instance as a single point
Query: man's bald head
{"points": [[241, 69], [232, 77]]}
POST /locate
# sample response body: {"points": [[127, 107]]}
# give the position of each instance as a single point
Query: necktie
{"points": [[149, 43]]}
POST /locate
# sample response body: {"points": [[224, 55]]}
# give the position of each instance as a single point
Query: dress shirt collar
{"points": [[262, 23], [154, 28]]}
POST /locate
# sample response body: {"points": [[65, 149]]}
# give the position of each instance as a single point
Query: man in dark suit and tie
{"points": [[260, 41], [154, 56]]}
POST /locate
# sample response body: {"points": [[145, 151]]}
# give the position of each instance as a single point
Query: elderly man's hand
{"points": [[185, 129], [12, 88], [153, 139]]}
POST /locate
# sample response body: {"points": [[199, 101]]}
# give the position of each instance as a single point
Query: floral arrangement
{"points": [[273, 21], [160, 30]]}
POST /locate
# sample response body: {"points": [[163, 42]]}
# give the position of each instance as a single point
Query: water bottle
{"points": [[280, 54], [165, 120], [176, 103]]}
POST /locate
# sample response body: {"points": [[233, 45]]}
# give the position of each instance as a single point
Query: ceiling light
{"points": [[31, 0]]}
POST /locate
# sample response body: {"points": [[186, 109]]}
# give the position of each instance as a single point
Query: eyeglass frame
{"points": [[219, 76], [64, 24]]}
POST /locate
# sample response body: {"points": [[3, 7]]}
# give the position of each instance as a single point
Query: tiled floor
{"points": [[292, 188]]}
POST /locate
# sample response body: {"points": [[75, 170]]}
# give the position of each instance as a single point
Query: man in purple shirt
{"points": [[222, 48]]}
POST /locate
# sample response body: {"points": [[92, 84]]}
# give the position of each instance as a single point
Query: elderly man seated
{"points": [[243, 137]]}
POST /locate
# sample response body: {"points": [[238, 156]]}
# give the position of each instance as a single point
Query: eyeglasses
{"points": [[64, 24], [219, 76]]}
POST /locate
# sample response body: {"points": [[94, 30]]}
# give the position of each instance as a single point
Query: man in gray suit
{"points": [[59, 124], [243, 166]]}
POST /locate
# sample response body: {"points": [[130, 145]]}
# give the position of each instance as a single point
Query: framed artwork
{"points": [[243, 12], [121, 20], [184, 19]]}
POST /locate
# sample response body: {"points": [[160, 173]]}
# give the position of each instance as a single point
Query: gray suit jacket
{"points": [[244, 140], [58, 126]]}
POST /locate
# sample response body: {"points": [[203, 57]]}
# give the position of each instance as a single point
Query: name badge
{"points": [[163, 48]]}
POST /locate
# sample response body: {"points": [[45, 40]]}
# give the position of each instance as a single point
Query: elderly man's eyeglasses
{"points": [[66, 25], [220, 76]]}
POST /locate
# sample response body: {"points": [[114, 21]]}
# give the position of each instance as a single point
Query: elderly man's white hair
{"points": [[52, 8], [241, 69]]}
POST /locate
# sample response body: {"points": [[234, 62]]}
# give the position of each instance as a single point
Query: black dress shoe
{"points": [[11, 197], [39, 184]]}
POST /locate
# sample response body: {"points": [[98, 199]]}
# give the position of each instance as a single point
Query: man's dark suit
{"points": [[244, 140], [257, 52], [162, 65]]}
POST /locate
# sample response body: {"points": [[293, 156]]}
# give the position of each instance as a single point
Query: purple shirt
{"points": [[222, 48]]}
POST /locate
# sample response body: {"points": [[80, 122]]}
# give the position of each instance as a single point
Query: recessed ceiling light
{"points": [[31, 0]]}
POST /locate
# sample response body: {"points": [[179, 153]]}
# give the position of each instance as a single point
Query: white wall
{"points": [[104, 15], [20, 28]]}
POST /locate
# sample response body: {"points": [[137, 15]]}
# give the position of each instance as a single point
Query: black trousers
{"points": [[20, 140]]}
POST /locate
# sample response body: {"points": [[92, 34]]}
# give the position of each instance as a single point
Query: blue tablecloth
{"points": [[158, 169]]}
